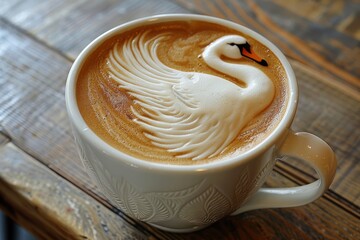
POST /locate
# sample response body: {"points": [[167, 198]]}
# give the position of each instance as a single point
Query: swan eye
{"points": [[245, 45]]}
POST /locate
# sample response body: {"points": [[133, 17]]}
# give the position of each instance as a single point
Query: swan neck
{"points": [[248, 74]]}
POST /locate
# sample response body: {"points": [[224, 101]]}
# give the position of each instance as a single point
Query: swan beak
{"points": [[246, 51]]}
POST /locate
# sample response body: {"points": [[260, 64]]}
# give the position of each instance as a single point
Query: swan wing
{"points": [[167, 106], [156, 87]]}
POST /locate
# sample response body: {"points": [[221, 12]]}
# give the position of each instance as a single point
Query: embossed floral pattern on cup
{"points": [[202, 203]]}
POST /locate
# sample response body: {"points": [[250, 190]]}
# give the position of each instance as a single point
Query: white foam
{"points": [[192, 114]]}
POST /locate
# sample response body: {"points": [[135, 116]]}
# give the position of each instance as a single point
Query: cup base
{"points": [[179, 230]]}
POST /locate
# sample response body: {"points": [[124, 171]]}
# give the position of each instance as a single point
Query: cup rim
{"points": [[79, 123]]}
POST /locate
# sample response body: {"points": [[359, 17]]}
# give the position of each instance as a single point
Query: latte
{"points": [[182, 92]]}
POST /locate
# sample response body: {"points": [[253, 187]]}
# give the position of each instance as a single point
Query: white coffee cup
{"points": [[185, 198]]}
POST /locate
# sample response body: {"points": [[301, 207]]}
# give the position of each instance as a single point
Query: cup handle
{"points": [[312, 150]]}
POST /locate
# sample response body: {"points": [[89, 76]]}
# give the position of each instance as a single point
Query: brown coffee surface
{"points": [[106, 108]]}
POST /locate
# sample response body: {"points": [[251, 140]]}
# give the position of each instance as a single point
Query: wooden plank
{"points": [[323, 43], [32, 102], [334, 117], [341, 15], [52, 208], [70, 25], [301, 177], [3, 139]]}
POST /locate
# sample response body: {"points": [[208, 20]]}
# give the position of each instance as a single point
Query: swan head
{"points": [[236, 47]]}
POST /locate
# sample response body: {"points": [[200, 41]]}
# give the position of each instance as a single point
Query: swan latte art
{"points": [[182, 92]]}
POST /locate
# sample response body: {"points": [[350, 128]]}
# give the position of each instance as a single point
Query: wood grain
{"points": [[334, 117], [34, 197], [32, 102]]}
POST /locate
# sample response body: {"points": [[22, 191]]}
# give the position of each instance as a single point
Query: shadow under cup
{"points": [[185, 198]]}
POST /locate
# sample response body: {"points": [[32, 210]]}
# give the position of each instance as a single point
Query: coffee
{"points": [[182, 92]]}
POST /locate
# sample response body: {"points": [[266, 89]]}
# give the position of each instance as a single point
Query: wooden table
{"points": [[43, 185]]}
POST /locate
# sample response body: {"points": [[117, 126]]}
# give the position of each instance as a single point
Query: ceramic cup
{"points": [[187, 198]]}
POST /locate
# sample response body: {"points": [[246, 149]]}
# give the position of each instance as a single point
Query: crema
{"points": [[184, 92]]}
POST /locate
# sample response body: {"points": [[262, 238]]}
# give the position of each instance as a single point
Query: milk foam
{"points": [[195, 115]]}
